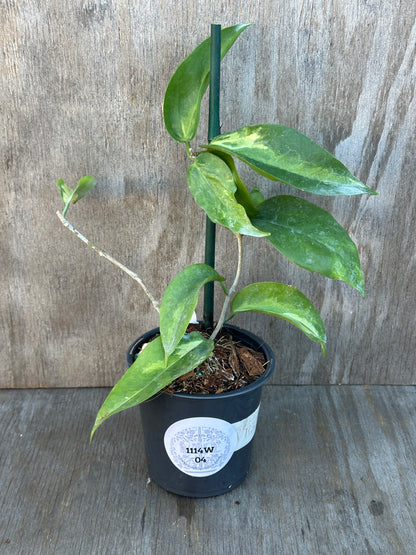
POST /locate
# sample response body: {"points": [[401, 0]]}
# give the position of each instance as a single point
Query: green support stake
{"points": [[213, 131]]}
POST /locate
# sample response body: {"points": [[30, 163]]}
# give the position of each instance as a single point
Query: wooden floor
{"points": [[333, 471]]}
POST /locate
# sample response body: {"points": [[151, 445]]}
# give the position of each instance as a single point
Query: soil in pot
{"points": [[232, 365]]}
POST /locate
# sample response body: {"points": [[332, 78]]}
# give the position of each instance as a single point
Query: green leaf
{"points": [[188, 84], [179, 302], [310, 237], [242, 195], [148, 374], [212, 185], [283, 301], [283, 154], [257, 197], [85, 184], [66, 191], [69, 196], [66, 195]]}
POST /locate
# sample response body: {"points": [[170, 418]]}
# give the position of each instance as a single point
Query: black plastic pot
{"points": [[200, 445]]}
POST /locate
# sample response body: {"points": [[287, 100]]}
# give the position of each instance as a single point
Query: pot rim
{"points": [[253, 340]]}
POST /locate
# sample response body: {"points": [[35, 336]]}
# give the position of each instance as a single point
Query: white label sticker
{"points": [[246, 429], [203, 446]]}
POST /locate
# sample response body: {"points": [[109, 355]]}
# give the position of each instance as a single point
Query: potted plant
{"points": [[198, 444]]}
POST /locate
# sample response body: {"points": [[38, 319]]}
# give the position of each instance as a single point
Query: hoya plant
{"points": [[298, 229]]}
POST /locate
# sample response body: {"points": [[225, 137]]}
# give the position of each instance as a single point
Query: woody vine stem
{"points": [[232, 289], [110, 258], [136, 278]]}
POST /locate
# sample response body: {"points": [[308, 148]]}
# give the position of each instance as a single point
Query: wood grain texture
{"points": [[332, 472], [81, 92]]}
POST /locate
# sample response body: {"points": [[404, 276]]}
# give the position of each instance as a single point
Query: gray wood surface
{"points": [[333, 471], [82, 86]]}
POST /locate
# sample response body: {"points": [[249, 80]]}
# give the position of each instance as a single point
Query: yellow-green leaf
{"points": [[283, 154], [212, 185], [179, 302], [310, 237], [85, 184], [188, 84], [149, 373], [283, 301]]}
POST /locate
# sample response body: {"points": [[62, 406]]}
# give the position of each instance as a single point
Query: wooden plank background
{"points": [[81, 92], [332, 473]]}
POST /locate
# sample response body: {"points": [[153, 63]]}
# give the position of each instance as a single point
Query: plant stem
{"points": [[213, 131], [111, 259], [189, 152], [232, 288]]}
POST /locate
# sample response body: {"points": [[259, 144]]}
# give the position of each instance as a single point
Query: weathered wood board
{"points": [[333, 471], [81, 93]]}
